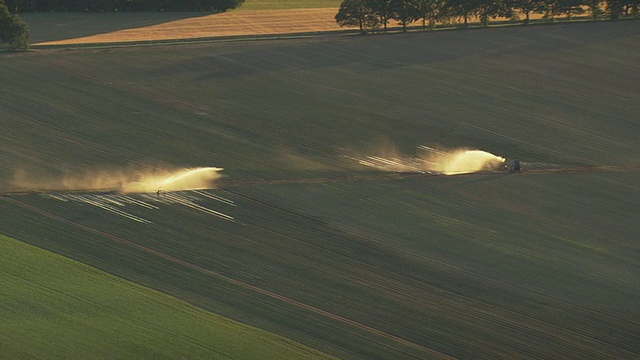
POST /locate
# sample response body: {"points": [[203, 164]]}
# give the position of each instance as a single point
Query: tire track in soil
{"points": [[242, 284], [224, 184], [407, 175]]}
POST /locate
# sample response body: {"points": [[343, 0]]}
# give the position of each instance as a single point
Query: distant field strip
{"points": [[257, 19], [232, 23], [425, 350]]}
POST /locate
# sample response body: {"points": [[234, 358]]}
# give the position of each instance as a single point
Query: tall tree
{"points": [[405, 11], [356, 13], [486, 9], [570, 7], [459, 8], [223, 5], [616, 8], [431, 11], [594, 8], [549, 9], [383, 9], [13, 30], [526, 7]]}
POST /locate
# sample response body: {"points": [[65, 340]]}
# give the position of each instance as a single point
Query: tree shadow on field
{"points": [[61, 26]]}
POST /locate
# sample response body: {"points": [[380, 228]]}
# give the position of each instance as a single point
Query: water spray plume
{"points": [[123, 181], [191, 179], [448, 162], [462, 161]]}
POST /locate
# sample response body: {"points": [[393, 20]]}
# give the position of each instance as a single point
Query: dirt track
{"points": [[358, 178], [401, 175]]}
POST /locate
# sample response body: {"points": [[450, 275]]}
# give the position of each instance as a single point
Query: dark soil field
{"points": [[302, 240]]}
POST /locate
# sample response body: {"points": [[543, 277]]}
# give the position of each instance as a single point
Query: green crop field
{"points": [[53, 307], [303, 241]]}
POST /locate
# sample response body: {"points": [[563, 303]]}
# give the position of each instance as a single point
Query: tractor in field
{"points": [[512, 166]]}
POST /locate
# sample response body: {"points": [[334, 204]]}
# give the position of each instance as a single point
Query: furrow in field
{"points": [[178, 103], [470, 195]]}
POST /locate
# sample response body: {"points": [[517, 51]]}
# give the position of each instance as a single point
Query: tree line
{"points": [[25, 6], [370, 15], [13, 30]]}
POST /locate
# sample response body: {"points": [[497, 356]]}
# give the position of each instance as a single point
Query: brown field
{"points": [[233, 23], [176, 26]]}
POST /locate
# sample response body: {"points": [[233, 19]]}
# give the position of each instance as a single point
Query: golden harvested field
{"points": [[233, 23]]}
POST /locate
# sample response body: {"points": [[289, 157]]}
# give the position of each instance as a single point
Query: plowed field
{"points": [[301, 240]]}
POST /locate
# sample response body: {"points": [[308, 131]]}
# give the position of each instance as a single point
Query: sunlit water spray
{"points": [[462, 161], [187, 179], [123, 181], [450, 162]]}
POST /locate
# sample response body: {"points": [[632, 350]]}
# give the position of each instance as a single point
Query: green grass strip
{"points": [[54, 307]]}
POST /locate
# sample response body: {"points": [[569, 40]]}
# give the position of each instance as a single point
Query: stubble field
{"points": [[254, 18]]}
